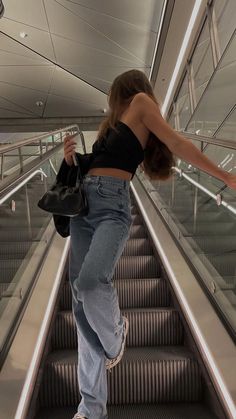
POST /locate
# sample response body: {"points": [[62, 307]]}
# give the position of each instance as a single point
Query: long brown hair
{"points": [[158, 159]]}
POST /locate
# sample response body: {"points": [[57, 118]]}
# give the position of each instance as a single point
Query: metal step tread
{"points": [[132, 293], [13, 250], [137, 247], [131, 355], [136, 267], [140, 411], [147, 327], [144, 375]]}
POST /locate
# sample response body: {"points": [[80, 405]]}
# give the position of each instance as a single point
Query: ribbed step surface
{"points": [[13, 223], [16, 249], [8, 268], [138, 232], [136, 219], [132, 293], [162, 411], [145, 375], [19, 234], [153, 327], [137, 267], [135, 247]]}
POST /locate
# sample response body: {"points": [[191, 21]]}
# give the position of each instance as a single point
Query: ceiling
{"points": [[58, 58]]}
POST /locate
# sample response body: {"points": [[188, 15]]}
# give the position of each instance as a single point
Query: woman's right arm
{"points": [[151, 117]]}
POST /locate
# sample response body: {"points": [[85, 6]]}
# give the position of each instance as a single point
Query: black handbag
{"points": [[67, 198]]}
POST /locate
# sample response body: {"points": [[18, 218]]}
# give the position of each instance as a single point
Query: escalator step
{"points": [[8, 268], [137, 219], [135, 247], [20, 234], [13, 222], [132, 293], [151, 327], [140, 411], [138, 232], [145, 375], [134, 210], [14, 249], [137, 267]]}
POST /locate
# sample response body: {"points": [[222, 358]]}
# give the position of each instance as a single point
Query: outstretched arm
{"points": [[179, 145]]}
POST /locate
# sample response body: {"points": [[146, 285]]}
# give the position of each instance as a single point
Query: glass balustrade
{"points": [[219, 97], [25, 234], [205, 230], [16, 158]]}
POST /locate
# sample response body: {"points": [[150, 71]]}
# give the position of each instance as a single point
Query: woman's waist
{"points": [[110, 172], [112, 181]]}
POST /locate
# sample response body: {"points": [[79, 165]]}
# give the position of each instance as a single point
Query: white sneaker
{"points": [[78, 416], [110, 363]]}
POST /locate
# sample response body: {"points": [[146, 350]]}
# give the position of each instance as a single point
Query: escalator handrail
{"points": [[9, 147], [19, 186], [216, 197], [214, 141]]}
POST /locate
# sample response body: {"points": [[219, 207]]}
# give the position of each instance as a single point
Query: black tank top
{"points": [[119, 149]]}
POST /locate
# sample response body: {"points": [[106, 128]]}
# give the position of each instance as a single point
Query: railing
{"points": [[207, 140], [19, 186], [206, 232], [216, 197], [37, 147], [26, 229]]}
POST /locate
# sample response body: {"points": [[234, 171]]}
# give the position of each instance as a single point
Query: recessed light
{"points": [[39, 103], [23, 34]]}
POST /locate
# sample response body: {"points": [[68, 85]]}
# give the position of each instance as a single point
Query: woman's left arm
{"points": [[179, 145]]}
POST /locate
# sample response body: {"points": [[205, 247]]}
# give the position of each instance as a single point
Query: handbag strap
{"points": [[79, 177]]}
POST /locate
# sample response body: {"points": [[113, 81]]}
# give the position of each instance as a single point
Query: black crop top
{"points": [[120, 148]]}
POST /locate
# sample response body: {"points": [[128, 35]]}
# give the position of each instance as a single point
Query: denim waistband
{"points": [[112, 180]]}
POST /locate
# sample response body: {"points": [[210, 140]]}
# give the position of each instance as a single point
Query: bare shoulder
{"points": [[143, 104], [141, 101]]}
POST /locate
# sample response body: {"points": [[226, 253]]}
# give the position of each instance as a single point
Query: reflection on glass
{"points": [[171, 120], [228, 129], [207, 234], [202, 62], [183, 104], [219, 97], [225, 11], [22, 226]]}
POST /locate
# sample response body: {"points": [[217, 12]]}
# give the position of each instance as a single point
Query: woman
{"points": [[133, 133]]}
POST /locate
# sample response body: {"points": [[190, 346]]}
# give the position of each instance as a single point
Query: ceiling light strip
{"points": [[158, 37], [184, 46]]}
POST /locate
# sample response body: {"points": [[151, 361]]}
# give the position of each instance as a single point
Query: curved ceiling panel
{"points": [[66, 53]]}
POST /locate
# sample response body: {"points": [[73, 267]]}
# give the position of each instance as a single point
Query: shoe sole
{"points": [[110, 363]]}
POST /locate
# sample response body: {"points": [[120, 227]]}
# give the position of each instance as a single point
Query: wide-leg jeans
{"points": [[97, 242]]}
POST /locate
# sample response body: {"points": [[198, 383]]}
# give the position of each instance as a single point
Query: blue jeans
{"points": [[97, 241]]}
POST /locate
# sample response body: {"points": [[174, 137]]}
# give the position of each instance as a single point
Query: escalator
{"points": [[162, 374], [159, 375]]}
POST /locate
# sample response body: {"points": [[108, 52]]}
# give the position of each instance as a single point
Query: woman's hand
{"points": [[69, 148], [230, 180]]}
